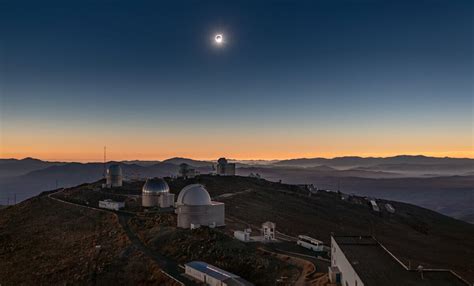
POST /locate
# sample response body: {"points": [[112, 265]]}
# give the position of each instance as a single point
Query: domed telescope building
{"points": [[225, 168], [114, 176], [195, 208], [156, 193]]}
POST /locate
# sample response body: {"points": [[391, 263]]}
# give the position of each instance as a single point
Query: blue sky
{"points": [[302, 70]]}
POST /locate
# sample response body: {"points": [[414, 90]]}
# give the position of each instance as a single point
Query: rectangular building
{"points": [[212, 275], [227, 169], [166, 200], [363, 261], [111, 205], [242, 235]]}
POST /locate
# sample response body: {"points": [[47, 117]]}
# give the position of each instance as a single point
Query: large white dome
{"points": [[194, 195], [155, 185]]}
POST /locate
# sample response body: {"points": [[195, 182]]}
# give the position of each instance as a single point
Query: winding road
{"points": [[168, 266]]}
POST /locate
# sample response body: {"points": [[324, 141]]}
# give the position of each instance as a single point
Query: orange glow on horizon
{"points": [[114, 156], [208, 145]]}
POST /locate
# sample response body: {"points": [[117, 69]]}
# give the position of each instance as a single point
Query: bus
{"points": [[310, 243]]}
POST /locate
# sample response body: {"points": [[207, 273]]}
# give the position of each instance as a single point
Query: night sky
{"points": [[293, 79]]}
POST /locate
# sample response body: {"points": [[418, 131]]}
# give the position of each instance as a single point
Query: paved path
{"points": [[168, 266], [228, 195]]}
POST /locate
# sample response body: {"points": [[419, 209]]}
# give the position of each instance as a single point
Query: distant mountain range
{"points": [[14, 167], [354, 161], [442, 184]]}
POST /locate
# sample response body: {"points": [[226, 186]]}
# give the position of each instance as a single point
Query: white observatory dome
{"points": [[194, 195], [114, 170], [155, 185]]}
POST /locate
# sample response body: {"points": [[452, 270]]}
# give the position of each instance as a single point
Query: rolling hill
{"points": [[414, 234], [424, 181]]}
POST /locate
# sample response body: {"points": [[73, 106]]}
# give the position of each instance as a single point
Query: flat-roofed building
{"points": [[111, 205], [363, 261], [212, 275], [243, 235]]}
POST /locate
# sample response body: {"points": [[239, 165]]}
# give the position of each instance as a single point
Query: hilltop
{"points": [[39, 231], [440, 184]]}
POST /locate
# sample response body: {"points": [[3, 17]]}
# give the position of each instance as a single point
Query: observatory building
{"points": [[185, 171], [156, 193], [114, 176], [195, 208], [225, 168]]}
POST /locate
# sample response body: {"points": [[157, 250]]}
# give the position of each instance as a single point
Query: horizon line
{"points": [[235, 159]]}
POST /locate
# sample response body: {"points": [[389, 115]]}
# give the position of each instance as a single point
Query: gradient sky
{"points": [[294, 79]]}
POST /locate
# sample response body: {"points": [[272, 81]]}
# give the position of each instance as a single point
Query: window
{"points": [[356, 283]]}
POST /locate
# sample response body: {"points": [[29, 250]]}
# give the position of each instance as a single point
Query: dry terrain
{"points": [[413, 233], [45, 242]]}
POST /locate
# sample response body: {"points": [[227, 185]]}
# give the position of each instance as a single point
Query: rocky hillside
{"points": [[418, 235], [44, 242], [92, 247]]}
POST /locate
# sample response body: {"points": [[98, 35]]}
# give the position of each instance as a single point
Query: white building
{"points": [[194, 207], [225, 168], [389, 208], [156, 193], [243, 235], [374, 205], [114, 176], [268, 229], [111, 205], [363, 261], [212, 275], [310, 243]]}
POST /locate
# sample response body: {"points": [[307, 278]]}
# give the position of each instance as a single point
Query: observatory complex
{"points": [[225, 168], [195, 208], [185, 171], [114, 176], [156, 193]]}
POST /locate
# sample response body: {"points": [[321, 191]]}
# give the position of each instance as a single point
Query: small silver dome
{"points": [[155, 185], [194, 195]]}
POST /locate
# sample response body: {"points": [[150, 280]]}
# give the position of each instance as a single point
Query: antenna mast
{"points": [[105, 160]]}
